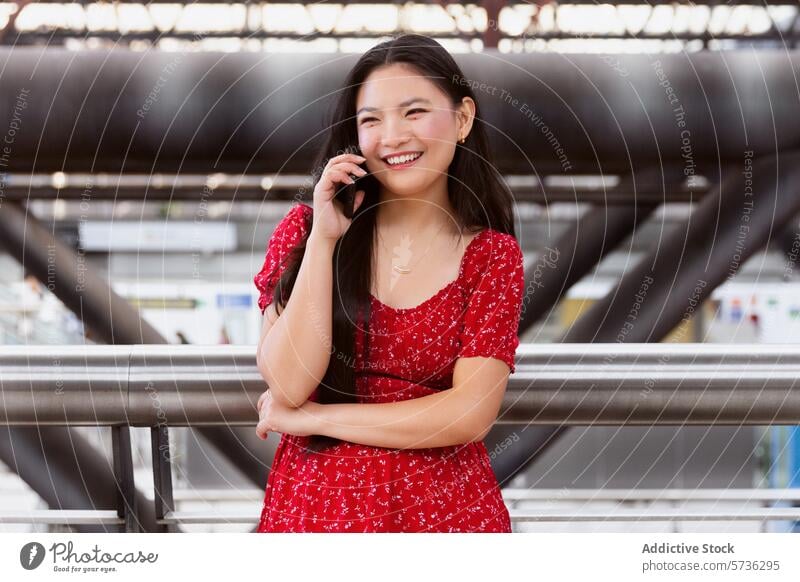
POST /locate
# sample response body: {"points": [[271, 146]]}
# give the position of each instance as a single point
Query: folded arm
{"points": [[459, 415]]}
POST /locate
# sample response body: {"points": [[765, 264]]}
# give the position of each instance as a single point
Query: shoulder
{"points": [[298, 213], [294, 223], [285, 236], [494, 247], [291, 228], [501, 240], [492, 253]]}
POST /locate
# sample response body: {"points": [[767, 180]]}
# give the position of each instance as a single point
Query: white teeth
{"points": [[402, 159]]}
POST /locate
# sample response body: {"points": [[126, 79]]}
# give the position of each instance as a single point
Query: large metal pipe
{"points": [[67, 276], [575, 384], [574, 254], [114, 320], [560, 265], [598, 231], [57, 458], [751, 205], [130, 111]]}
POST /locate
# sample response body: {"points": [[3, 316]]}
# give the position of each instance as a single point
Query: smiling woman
{"points": [[389, 437]]}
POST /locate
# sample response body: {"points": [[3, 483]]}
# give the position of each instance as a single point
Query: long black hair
{"points": [[476, 192]]}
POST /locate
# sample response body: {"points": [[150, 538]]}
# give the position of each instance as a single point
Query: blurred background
{"points": [[148, 150]]}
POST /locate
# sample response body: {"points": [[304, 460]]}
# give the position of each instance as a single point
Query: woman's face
{"points": [[397, 111]]}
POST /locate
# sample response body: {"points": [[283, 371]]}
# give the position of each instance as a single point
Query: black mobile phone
{"points": [[346, 193]]}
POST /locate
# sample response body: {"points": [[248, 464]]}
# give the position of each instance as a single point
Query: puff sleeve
{"points": [[491, 319], [289, 231]]}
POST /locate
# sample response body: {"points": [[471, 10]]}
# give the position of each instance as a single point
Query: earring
{"points": [[461, 140]]}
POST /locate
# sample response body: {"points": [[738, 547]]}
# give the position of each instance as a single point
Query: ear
{"points": [[465, 114]]}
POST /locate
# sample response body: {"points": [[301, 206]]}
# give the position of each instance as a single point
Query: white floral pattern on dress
{"points": [[412, 353]]}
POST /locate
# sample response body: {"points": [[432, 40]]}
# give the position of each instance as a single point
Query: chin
{"points": [[410, 190], [410, 184]]}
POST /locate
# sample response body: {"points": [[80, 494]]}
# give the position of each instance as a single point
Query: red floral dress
{"points": [[357, 488]]}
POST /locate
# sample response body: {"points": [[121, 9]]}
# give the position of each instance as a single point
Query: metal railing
{"points": [[159, 386]]}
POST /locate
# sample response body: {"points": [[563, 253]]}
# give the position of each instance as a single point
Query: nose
{"points": [[394, 143], [395, 134]]}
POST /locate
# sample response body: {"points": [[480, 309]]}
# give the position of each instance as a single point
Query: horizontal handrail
{"points": [[252, 499], [253, 495], [62, 516], [655, 514], [76, 517], [625, 495], [531, 515], [567, 384]]}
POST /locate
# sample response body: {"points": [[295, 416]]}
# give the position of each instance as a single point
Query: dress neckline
{"points": [[452, 283]]}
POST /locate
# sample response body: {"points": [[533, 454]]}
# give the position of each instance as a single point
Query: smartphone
{"points": [[346, 193]]}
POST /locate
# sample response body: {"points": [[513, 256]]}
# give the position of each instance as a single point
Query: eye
{"points": [[366, 119], [413, 110]]}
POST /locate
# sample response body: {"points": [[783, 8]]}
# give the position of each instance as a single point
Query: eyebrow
{"points": [[405, 103]]}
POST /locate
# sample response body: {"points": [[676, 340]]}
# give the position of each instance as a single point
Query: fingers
{"points": [[346, 157], [344, 171], [337, 175], [262, 429], [345, 167], [353, 166]]}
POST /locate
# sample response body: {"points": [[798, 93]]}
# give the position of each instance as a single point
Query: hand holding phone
{"points": [[347, 193], [337, 195]]}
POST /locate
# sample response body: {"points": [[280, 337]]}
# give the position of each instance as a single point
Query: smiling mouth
{"points": [[405, 163]]}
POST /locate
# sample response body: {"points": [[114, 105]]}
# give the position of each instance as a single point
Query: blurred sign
{"points": [[157, 236], [234, 301], [164, 302]]}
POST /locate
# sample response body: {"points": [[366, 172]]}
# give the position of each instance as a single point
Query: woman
{"points": [[389, 357]]}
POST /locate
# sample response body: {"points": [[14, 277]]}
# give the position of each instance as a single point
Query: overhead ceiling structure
{"points": [[125, 112], [511, 26]]}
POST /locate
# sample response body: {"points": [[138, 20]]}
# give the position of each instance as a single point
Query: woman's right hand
{"points": [[329, 220]]}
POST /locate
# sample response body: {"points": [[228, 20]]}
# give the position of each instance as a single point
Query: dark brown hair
{"points": [[477, 193]]}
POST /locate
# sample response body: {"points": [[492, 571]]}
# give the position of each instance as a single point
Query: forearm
{"points": [[295, 353], [437, 420]]}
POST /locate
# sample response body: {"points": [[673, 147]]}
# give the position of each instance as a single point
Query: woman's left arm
{"points": [[455, 416]]}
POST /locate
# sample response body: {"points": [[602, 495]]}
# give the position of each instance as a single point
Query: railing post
{"points": [[127, 507], [162, 474]]}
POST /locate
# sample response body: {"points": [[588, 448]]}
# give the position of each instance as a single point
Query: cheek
{"points": [[434, 129], [368, 142], [437, 134]]}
